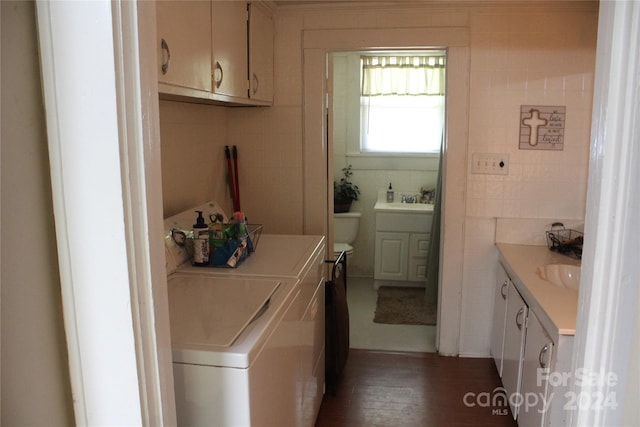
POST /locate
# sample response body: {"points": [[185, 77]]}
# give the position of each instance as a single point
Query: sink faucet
{"points": [[409, 199]]}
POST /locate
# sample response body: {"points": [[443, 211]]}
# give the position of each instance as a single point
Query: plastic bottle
{"points": [[390, 194], [200, 241], [242, 230]]}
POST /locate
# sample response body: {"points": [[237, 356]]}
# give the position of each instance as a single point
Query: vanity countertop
{"points": [[403, 207], [398, 206], [555, 306]]}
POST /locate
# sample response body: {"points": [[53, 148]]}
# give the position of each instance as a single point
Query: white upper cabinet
{"points": [[184, 45], [216, 51], [229, 41], [260, 53]]}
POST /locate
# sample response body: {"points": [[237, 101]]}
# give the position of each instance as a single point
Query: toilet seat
{"points": [[339, 247]]}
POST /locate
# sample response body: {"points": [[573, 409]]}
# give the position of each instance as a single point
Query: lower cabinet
{"points": [[526, 356], [401, 247]]}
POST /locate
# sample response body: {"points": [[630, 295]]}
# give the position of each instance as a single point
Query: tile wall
{"points": [[541, 57]]}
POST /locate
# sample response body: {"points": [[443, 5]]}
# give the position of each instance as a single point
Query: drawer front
{"points": [[404, 222], [419, 245], [417, 270]]}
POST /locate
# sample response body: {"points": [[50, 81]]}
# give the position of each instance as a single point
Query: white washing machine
{"points": [[240, 333]]}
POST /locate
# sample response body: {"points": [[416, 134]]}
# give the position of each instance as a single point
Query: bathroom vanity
{"points": [[535, 310], [401, 241]]}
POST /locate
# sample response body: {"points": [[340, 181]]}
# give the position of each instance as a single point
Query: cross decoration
{"points": [[542, 127]]}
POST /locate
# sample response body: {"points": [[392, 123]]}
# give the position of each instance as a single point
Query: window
{"points": [[402, 103]]}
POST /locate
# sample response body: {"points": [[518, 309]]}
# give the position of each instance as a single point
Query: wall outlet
{"points": [[490, 164]]}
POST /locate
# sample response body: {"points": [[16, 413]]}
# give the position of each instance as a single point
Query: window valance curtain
{"points": [[403, 75]]}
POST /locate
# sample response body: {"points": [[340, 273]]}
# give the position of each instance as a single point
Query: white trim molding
{"points": [[606, 327], [103, 136], [317, 44]]}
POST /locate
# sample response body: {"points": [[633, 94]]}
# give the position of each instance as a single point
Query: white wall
{"points": [[35, 376]]}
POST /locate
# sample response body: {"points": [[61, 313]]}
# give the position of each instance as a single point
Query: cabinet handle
{"points": [[256, 84], [165, 48], [518, 321], [502, 290], [218, 74], [543, 351]]}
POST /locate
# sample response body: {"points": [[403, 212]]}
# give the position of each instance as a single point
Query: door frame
{"points": [[102, 117], [317, 45]]}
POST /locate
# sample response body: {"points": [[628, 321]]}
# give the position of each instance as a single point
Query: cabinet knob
{"points": [[519, 322], [543, 351], [218, 74], [503, 290], [256, 84], [165, 63]]}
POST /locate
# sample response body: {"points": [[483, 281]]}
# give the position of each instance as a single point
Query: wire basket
{"points": [[236, 248], [255, 231], [566, 241]]}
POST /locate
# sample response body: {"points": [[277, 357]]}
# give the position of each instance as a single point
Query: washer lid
{"points": [[212, 312]]}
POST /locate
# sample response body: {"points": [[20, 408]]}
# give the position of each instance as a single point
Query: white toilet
{"points": [[345, 231]]}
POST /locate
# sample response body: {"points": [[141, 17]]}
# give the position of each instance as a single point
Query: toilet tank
{"points": [[345, 227]]}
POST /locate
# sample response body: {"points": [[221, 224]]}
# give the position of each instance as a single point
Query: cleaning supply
{"points": [[390, 194], [200, 241], [242, 230]]}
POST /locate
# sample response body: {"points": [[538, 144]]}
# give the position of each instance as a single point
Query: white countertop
{"points": [[403, 207], [556, 307], [397, 206]]}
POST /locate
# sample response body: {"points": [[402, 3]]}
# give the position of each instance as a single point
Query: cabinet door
{"points": [[391, 256], [184, 44], [513, 345], [537, 357], [260, 53], [499, 317], [229, 43]]}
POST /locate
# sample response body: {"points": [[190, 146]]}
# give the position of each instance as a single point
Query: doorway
{"points": [[317, 45], [408, 170]]}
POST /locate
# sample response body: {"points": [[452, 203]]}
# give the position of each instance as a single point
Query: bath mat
{"points": [[404, 306]]}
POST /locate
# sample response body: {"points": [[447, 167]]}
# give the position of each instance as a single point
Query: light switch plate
{"points": [[490, 163]]}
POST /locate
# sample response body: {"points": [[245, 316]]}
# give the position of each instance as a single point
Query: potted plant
{"points": [[344, 192]]}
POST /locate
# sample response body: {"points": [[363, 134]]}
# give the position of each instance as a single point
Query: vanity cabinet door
{"points": [[499, 316], [537, 357], [391, 254], [515, 329]]}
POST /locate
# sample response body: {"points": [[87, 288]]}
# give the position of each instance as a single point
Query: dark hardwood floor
{"points": [[414, 389]]}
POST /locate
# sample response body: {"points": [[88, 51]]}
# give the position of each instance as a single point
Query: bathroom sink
{"points": [[402, 207], [563, 275]]}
